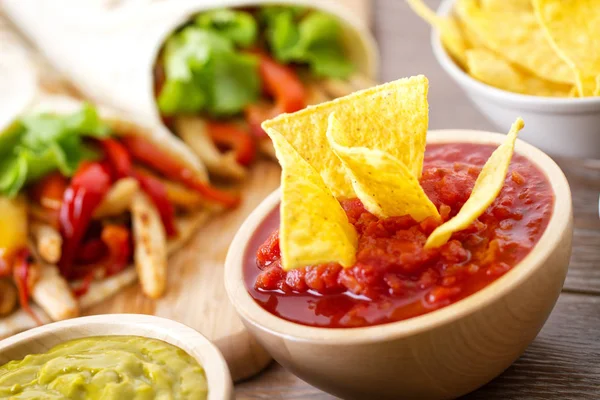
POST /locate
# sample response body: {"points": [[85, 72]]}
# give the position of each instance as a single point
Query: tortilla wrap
{"points": [[109, 50], [160, 137]]}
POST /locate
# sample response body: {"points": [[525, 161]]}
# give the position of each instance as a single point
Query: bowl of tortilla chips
{"points": [[523, 57], [316, 293]]}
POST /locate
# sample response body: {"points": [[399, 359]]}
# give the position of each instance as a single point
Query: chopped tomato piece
{"points": [[235, 138], [148, 154]]}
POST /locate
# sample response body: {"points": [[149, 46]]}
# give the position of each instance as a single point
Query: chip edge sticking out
{"points": [[462, 220], [364, 188], [342, 245]]}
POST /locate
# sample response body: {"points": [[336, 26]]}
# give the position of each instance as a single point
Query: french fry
{"points": [[53, 294], [8, 297], [150, 252], [118, 199], [193, 132], [48, 241]]}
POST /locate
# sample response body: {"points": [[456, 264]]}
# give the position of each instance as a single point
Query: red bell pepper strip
{"points": [[21, 278], [282, 82], [116, 241], [85, 284], [158, 194], [284, 85], [235, 138], [87, 189], [120, 160], [50, 190], [146, 152], [118, 157]]}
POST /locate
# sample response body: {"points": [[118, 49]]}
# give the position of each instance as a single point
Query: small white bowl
{"points": [[43, 338], [559, 126]]}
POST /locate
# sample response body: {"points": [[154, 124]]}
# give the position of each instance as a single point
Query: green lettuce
{"points": [[39, 144], [313, 38], [204, 70], [237, 26]]}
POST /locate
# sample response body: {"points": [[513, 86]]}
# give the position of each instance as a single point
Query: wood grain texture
{"points": [[562, 363]]}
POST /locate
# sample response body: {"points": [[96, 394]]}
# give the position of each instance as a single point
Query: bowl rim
{"points": [[259, 317], [220, 386], [523, 100]]}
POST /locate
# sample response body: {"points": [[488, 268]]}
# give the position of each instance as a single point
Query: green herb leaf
{"points": [[236, 82], [315, 40], [39, 144], [237, 26], [205, 73]]}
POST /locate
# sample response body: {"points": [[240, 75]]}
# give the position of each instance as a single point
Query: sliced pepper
{"points": [[283, 84], [233, 137], [146, 153], [88, 187], [20, 269], [158, 194]]}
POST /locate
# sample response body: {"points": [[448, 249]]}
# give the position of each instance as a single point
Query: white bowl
{"points": [[559, 126]]}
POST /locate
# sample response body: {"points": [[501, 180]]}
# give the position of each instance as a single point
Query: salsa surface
{"points": [[394, 278]]}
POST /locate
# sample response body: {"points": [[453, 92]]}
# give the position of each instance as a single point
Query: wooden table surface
{"points": [[564, 361]]}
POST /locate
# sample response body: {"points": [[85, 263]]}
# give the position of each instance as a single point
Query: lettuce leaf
{"points": [[237, 26], [39, 144], [315, 39], [205, 72]]}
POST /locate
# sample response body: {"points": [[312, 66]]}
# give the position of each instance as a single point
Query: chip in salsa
{"points": [[394, 277], [425, 236]]}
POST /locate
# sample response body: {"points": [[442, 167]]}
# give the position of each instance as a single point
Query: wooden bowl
{"points": [[41, 339], [440, 355]]}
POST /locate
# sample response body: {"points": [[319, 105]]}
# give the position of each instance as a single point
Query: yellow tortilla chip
{"points": [[506, 4], [383, 183], [314, 228], [597, 91], [516, 36], [392, 117], [486, 189], [448, 28], [487, 67], [573, 29]]}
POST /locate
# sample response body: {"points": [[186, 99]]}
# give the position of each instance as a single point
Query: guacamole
{"points": [[108, 367]]}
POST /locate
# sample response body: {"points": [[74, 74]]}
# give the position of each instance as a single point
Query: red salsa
{"points": [[394, 277]]}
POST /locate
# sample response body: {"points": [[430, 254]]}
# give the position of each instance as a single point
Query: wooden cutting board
{"points": [[196, 293]]}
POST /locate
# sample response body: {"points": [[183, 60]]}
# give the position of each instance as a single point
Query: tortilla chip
{"points": [[486, 189], [397, 111], [383, 183], [516, 36], [448, 28], [489, 68], [597, 91], [314, 227], [506, 4], [573, 28]]}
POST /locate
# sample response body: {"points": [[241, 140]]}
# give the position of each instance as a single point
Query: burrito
{"points": [[210, 71], [90, 200]]}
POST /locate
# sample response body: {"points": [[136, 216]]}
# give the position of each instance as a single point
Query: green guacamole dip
{"points": [[107, 367]]}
